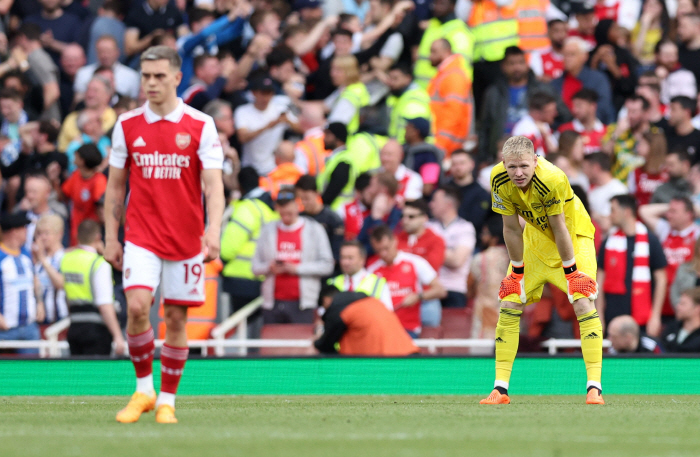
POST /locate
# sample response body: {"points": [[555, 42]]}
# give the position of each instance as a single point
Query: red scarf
{"points": [[616, 270]]}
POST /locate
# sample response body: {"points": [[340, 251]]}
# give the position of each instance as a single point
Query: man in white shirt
{"points": [[127, 80], [261, 125], [410, 182], [596, 167]]}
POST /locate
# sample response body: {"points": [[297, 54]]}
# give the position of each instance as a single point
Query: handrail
{"points": [[238, 319], [51, 333]]}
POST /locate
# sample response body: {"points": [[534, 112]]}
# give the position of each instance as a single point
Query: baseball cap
{"points": [[9, 221], [285, 195], [302, 4], [262, 83], [421, 124]]}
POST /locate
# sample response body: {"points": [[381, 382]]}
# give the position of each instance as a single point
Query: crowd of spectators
{"points": [[359, 136]]}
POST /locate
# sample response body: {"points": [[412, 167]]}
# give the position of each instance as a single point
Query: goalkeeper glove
{"points": [[514, 283], [579, 282]]}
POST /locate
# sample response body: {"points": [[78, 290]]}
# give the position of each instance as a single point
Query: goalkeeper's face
{"points": [[520, 168]]}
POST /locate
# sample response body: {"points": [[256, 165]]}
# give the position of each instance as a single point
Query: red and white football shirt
{"points": [[678, 247], [353, 214], [592, 139], [165, 157], [528, 128], [549, 64], [288, 251], [410, 184], [407, 275]]}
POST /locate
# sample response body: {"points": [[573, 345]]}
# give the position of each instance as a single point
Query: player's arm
{"points": [[113, 213], [214, 195], [561, 236], [577, 281], [513, 235]]}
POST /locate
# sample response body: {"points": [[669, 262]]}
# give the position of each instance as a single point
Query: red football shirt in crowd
{"points": [[429, 245], [84, 195], [288, 251], [592, 139]]}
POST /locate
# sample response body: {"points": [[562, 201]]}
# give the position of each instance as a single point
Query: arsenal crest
{"points": [[127, 273], [182, 140]]}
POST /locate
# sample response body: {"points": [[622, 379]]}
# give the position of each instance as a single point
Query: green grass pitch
{"points": [[340, 426]]}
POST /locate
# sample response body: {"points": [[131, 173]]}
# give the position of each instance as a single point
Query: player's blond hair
{"points": [[162, 53], [517, 146], [51, 222]]}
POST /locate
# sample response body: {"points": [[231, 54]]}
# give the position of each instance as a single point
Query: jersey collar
{"points": [[174, 116]]}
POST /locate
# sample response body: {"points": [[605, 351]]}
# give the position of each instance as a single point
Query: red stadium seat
{"points": [[456, 323], [287, 332]]}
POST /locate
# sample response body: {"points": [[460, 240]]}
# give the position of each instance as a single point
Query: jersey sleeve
{"points": [[500, 201], [425, 272], [210, 152], [119, 154], [555, 192]]}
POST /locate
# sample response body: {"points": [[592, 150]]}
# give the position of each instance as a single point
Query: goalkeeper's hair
{"points": [[517, 146], [626, 201]]}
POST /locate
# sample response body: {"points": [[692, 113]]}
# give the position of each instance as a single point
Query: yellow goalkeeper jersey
{"points": [[548, 194]]}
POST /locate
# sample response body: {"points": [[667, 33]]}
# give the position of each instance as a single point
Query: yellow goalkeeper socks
{"points": [[507, 337], [592, 346]]}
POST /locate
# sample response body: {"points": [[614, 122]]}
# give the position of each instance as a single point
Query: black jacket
{"points": [[670, 340]]}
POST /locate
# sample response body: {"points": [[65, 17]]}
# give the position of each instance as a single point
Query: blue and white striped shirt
{"points": [[17, 301]]}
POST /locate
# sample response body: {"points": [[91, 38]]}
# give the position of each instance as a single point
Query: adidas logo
{"points": [[193, 291], [139, 143], [591, 336], [500, 340]]}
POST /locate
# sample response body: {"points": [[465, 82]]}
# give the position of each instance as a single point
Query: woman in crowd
{"points": [[643, 181]]}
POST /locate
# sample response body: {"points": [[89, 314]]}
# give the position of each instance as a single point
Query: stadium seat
{"points": [[287, 332], [456, 323]]}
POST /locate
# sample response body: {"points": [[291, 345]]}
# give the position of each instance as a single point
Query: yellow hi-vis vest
{"points": [[494, 27], [241, 237], [371, 284], [413, 103], [454, 31], [77, 267], [358, 95]]}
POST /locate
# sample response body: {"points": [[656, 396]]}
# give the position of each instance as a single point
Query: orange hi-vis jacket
{"points": [[286, 174], [532, 24], [451, 104], [315, 151]]}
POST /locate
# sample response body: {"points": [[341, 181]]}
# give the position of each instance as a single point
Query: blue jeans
{"points": [[26, 333], [431, 313]]}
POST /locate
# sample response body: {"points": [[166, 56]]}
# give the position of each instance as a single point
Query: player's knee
{"points": [[137, 311], [175, 317], [583, 306]]}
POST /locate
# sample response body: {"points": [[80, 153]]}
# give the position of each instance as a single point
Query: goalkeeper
{"points": [[556, 246]]}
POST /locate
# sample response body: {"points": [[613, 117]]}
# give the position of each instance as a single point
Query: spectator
{"points": [[90, 128], [307, 193], [58, 27], [211, 76], [360, 325], [506, 102], [87, 281], [285, 174], [623, 333], [345, 103], [21, 309], [385, 208], [37, 203], [151, 21], [354, 213], [294, 254], [578, 76], [475, 202], [675, 80], [678, 169], [485, 276], [280, 64], [450, 103], [48, 251], [654, 24], [97, 97], [84, 187], [689, 36], [72, 59], [407, 100], [584, 109], [261, 125], [410, 182], [238, 243], [459, 240], [644, 181], [42, 70], [633, 277], [410, 278], [310, 153], [19, 81], [687, 276], [536, 125], [682, 135], [678, 233], [355, 278], [586, 19], [107, 23], [683, 334], [620, 141], [616, 62], [549, 65], [338, 179], [127, 81], [420, 156], [309, 10], [41, 155], [13, 118], [596, 166], [649, 88], [570, 158], [416, 238]]}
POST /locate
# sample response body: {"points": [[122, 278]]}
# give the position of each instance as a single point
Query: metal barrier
{"points": [[239, 321]]}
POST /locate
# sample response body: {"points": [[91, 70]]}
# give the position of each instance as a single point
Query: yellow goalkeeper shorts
{"points": [[538, 273]]}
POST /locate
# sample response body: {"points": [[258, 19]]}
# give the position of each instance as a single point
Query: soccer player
{"points": [[556, 246], [167, 150]]}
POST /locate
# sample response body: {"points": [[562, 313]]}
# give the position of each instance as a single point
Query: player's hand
{"points": [[654, 326], [514, 283], [579, 282], [114, 254], [211, 243]]}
